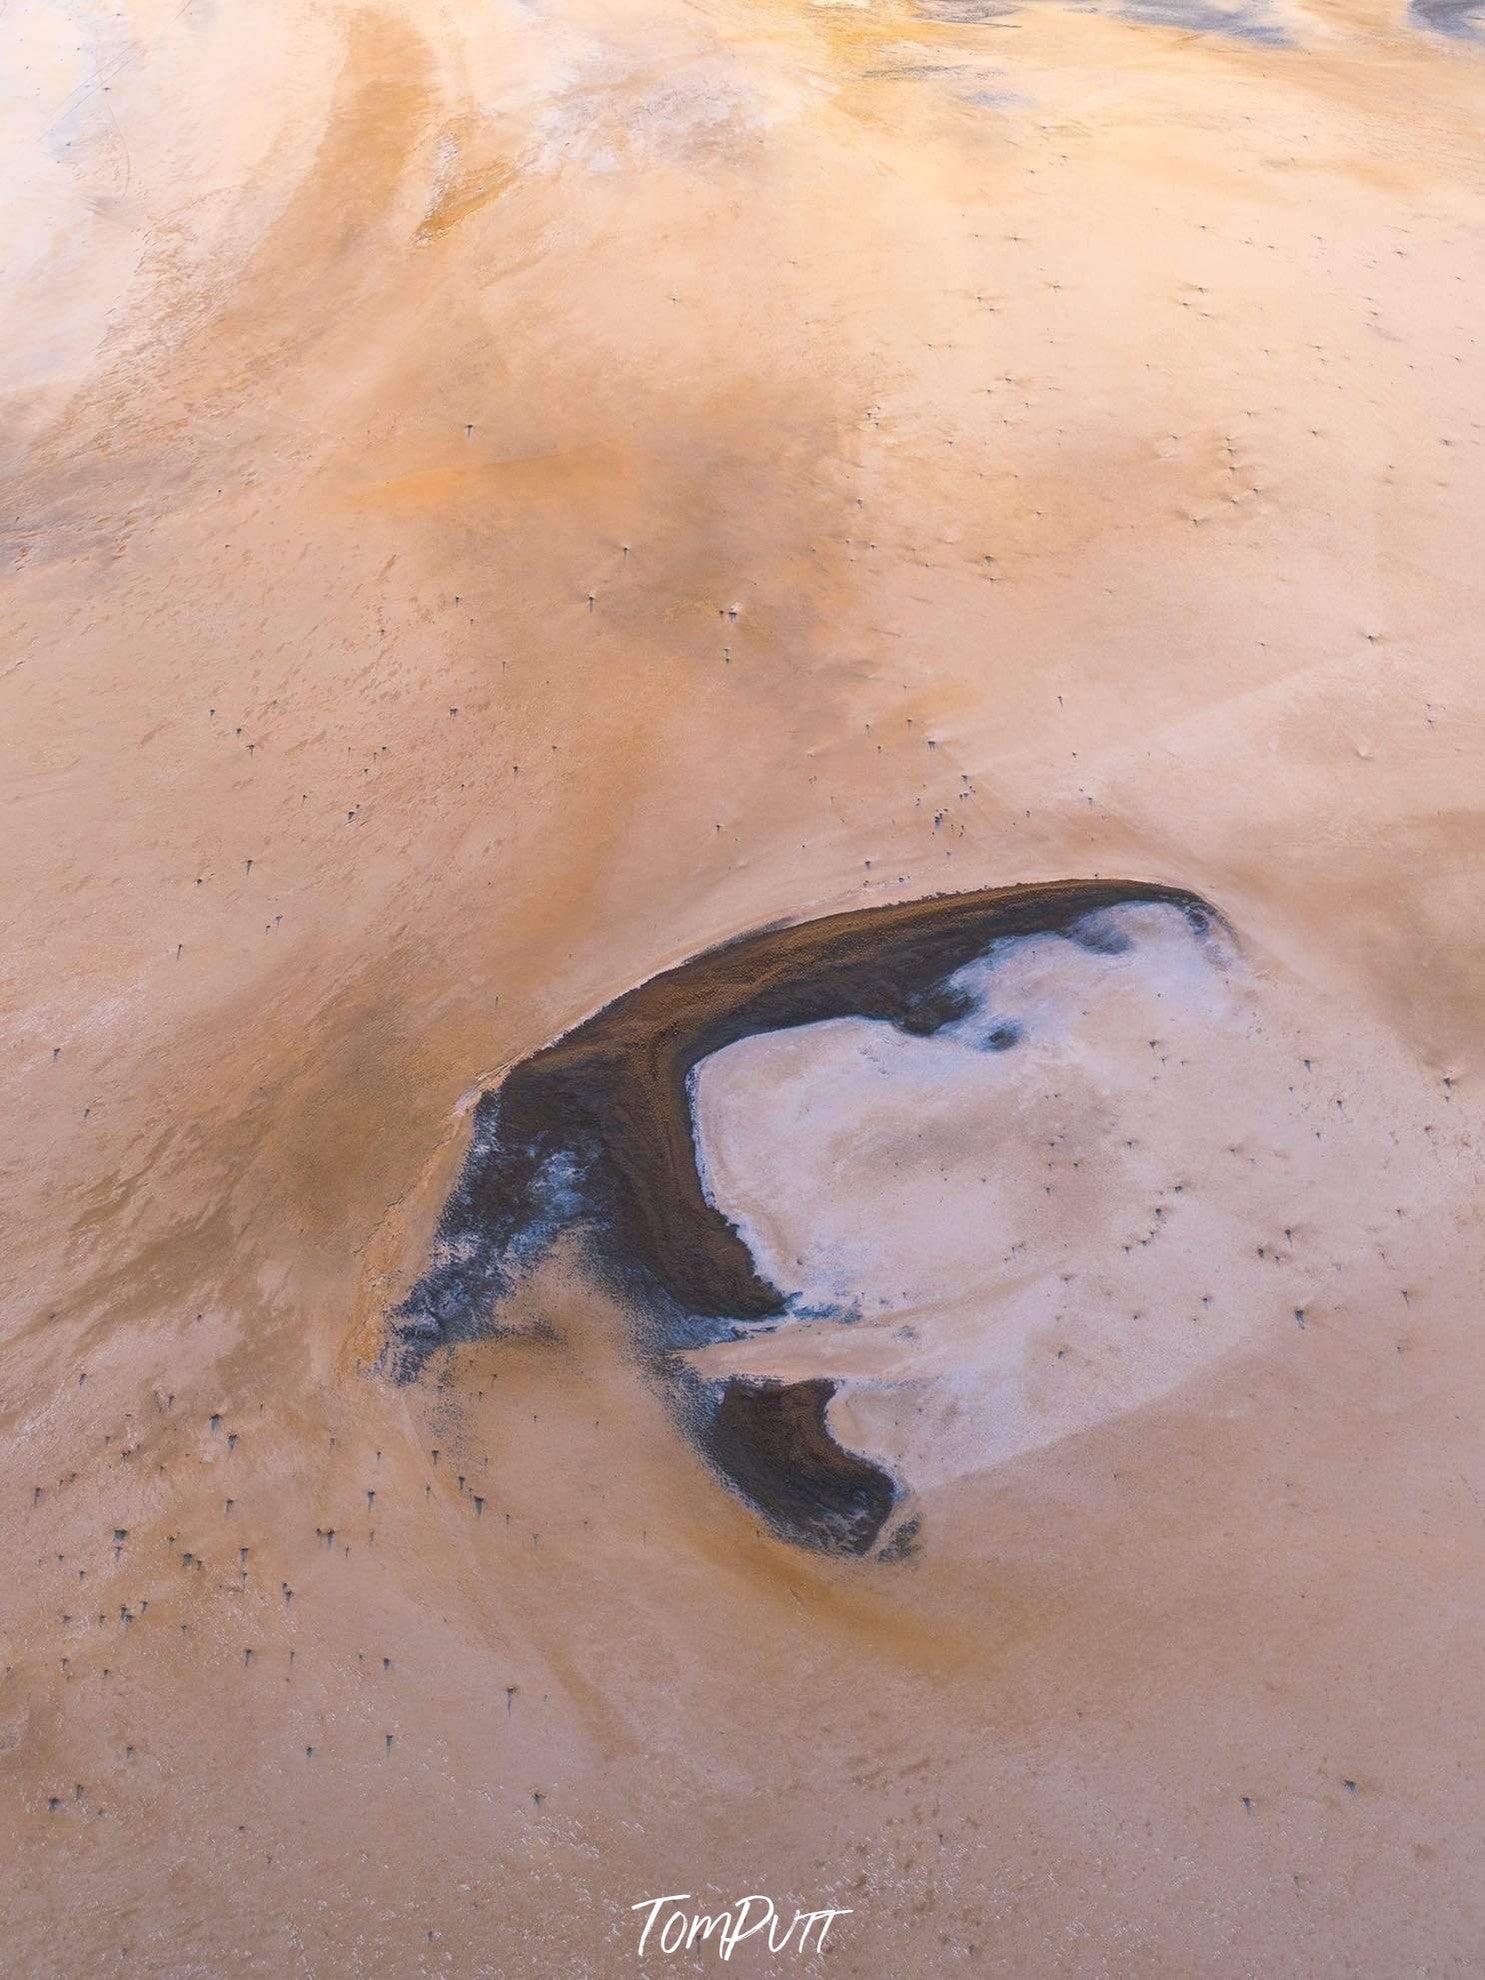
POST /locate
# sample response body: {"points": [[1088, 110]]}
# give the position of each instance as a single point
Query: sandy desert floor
{"points": [[499, 497]]}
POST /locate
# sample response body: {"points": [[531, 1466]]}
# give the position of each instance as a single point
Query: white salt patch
{"points": [[1035, 1238]]}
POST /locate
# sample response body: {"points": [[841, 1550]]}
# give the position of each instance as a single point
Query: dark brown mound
{"points": [[596, 1129], [770, 1442]]}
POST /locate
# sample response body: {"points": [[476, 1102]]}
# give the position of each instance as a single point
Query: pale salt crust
{"points": [[1121, 1166]]}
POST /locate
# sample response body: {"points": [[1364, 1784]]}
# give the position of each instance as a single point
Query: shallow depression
{"points": [[1115, 1168]]}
